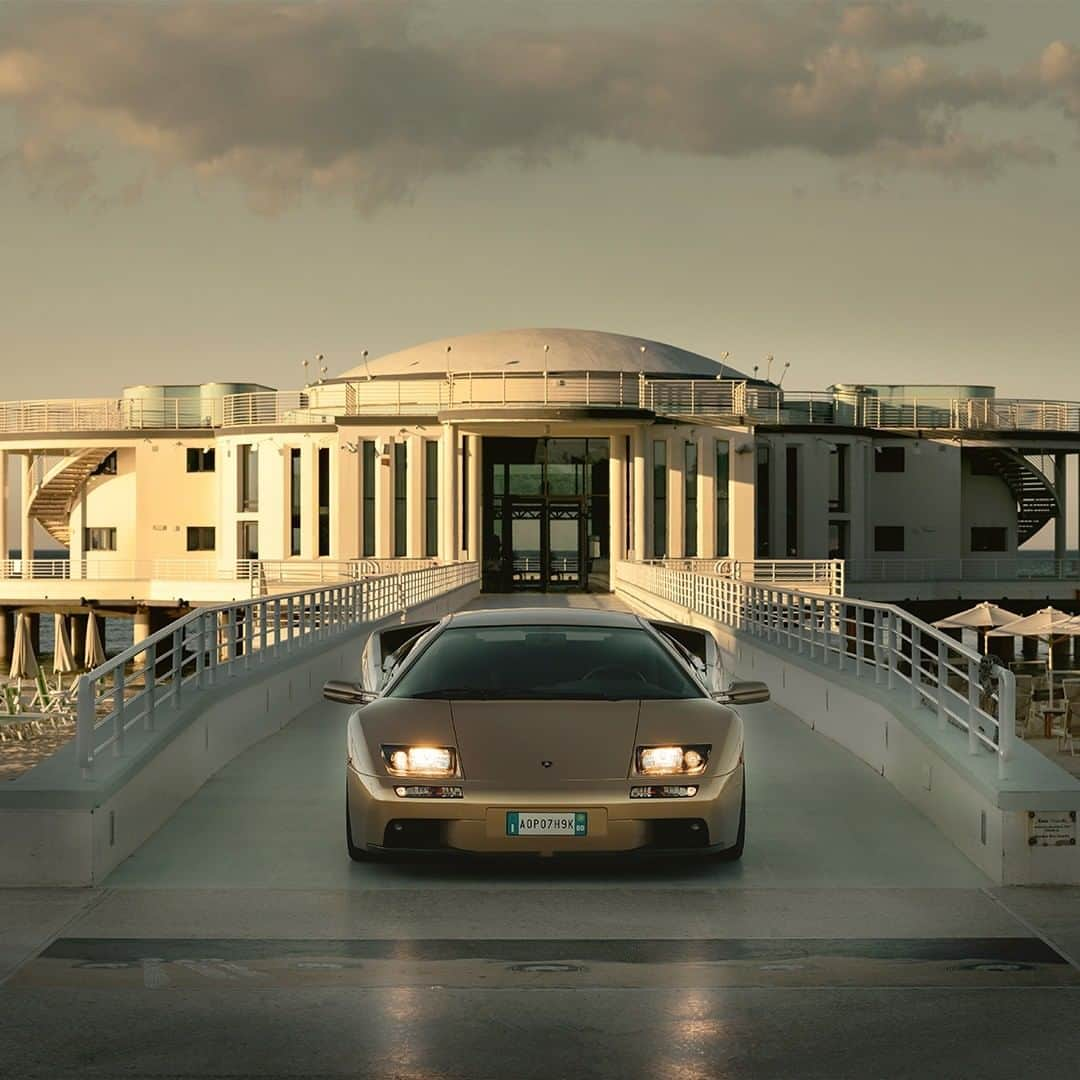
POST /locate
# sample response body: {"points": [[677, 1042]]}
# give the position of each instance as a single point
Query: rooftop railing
{"points": [[731, 399], [879, 643], [139, 688]]}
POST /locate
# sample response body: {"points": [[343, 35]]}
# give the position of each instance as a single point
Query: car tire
{"points": [[357, 854], [734, 853]]}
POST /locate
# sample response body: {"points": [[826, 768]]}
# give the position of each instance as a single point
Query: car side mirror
{"points": [[743, 693], [347, 693]]}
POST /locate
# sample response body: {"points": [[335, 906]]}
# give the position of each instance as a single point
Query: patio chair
{"points": [[1061, 729], [1070, 692], [1023, 712]]}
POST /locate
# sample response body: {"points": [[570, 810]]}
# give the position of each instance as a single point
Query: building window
{"points": [[723, 477], [295, 505], [201, 537], [367, 497], [401, 499], [989, 538], [324, 501], [888, 459], [888, 537], [690, 515], [659, 457], [791, 510], [200, 460], [838, 539], [247, 464], [431, 497], [107, 466], [763, 501], [983, 464], [99, 539], [247, 540], [838, 478]]}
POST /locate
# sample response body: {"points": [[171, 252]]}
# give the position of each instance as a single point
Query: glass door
{"points": [[565, 528], [526, 543]]}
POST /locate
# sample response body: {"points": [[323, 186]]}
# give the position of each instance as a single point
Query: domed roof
{"points": [[523, 350]]}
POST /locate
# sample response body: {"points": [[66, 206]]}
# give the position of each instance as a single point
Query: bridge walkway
{"points": [[852, 940]]}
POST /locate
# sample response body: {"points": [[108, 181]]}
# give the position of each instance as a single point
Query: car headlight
{"points": [[420, 760], [672, 760]]}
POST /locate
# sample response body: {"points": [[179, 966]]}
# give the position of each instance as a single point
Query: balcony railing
{"points": [[731, 399], [974, 568], [263, 574]]}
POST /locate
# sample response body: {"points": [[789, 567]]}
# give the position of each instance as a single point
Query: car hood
{"points": [[509, 741]]}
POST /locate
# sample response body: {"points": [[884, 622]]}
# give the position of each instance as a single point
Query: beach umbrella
{"points": [[95, 652], [1049, 623], [24, 663], [63, 659], [981, 617]]}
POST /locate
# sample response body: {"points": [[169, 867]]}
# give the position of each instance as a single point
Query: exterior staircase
{"points": [[53, 497], [1037, 501]]}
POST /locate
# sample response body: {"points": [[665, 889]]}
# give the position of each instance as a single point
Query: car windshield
{"points": [[603, 663]]}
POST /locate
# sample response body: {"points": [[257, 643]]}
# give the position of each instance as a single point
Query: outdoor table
{"points": [[1048, 715]]}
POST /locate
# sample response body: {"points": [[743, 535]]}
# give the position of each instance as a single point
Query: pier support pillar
{"points": [[140, 629], [77, 634], [1061, 522], [6, 634]]}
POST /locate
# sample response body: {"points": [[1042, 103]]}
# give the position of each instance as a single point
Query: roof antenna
{"points": [[768, 367], [367, 370], [304, 364], [322, 367], [787, 364]]}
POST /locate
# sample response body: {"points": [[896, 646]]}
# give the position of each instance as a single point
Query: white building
{"points": [[541, 453]]}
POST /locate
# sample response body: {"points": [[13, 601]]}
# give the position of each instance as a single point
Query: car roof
{"points": [[546, 616]]}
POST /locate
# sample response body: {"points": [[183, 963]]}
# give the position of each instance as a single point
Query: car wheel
{"points": [[734, 853], [357, 854]]}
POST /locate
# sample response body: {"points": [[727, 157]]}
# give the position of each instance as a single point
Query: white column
{"points": [[638, 502], [448, 497], [617, 499], [706, 500], [742, 497], [26, 522], [5, 543], [476, 501], [676, 456], [384, 506]]}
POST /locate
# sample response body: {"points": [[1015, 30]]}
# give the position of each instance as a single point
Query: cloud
{"points": [[890, 26], [331, 97]]}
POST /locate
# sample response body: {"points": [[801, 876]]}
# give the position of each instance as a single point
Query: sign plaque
{"points": [[1052, 828]]}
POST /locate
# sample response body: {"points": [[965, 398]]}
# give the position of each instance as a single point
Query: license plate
{"points": [[562, 823]]}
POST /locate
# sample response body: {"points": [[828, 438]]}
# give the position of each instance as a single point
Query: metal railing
{"points": [[208, 646], [974, 568], [732, 399], [879, 643], [262, 571], [811, 573]]}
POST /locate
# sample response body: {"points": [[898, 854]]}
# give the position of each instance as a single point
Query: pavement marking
{"points": [[192, 964]]}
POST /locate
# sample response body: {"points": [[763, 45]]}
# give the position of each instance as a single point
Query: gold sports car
{"points": [[544, 731]]}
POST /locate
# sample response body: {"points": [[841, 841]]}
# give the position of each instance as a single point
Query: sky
{"points": [[194, 190]]}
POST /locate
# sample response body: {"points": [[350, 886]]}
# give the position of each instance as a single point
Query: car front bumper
{"points": [[380, 820]]}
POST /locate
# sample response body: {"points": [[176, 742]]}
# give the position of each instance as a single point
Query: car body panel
{"points": [[542, 755]]}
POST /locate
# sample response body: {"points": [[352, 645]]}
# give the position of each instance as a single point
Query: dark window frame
{"points": [[431, 498], [723, 498], [323, 486], [197, 536], [401, 499], [296, 509], [659, 498], [201, 459], [890, 459], [690, 498], [890, 538], [368, 469], [102, 532], [992, 539]]}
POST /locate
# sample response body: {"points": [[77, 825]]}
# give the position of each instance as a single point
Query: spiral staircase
{"points": [[52, 498], [1037, 501]]}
